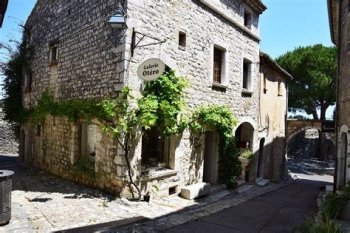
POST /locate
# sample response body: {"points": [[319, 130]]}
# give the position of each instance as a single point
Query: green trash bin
{"points": [[5, 196]]}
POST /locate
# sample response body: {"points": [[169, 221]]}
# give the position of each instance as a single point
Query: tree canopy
{"points": [[314, 69]]}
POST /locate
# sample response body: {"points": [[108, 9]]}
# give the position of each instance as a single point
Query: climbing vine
{"points": [[125, 116], [14, 70], [222, 120]]}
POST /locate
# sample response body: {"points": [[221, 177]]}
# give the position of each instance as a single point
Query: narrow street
{"points": [[278, 211]]}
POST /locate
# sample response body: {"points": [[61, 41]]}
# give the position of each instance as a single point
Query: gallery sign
{"points": [[151, 69]]}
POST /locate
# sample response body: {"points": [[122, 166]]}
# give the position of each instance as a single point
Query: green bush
{"points": [[333, 205]]}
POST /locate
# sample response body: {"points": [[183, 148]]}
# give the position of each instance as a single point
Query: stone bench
{"points": [[195, 190]]}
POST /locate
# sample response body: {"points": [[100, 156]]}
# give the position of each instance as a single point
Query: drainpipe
{"points": [[335, 181]]}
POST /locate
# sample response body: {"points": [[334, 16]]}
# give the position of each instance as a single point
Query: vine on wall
{"points": [[14, 70], [221, 119], [125, 116]]}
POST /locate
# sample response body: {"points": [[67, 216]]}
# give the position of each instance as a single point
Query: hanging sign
{"points": [[151, 69]]}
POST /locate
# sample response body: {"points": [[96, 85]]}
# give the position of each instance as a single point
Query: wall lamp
{"points": [[118, 19]]}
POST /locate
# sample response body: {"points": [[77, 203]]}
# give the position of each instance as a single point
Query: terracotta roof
{"points": [[264, 58], [3, 7], [333, 17]]}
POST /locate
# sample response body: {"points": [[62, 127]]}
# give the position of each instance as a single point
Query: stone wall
{"points": [[8, 141], [94, 61]]}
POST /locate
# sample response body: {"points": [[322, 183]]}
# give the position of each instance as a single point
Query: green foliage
{"points": [[333, 205], [229, 164], [246, 153], [167, 93], [327, 225], [214, 117], [14, 71], [160, 105], [76, 109], [220, 118], [85, 166], [314, 70]]}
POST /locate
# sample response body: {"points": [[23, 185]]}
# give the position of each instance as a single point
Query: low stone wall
{"points": [[8, 142]]}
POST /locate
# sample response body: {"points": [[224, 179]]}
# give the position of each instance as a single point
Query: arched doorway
{"points": [[244, 135]]}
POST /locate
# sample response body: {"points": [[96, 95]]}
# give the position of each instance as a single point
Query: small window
{"points": [[247, 75], [217, 65], [155, 149], [279, 88], [182, 39], [29, 80], [53, 54], [264, 83], [247, 19], [38, 130]]}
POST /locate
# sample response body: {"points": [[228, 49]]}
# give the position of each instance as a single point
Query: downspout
{"points": [[335, 181]]}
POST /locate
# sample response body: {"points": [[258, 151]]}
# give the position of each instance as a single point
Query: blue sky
{"points": [[17, 13], [285, 25]]}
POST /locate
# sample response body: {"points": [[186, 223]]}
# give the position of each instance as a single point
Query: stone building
{"points": [[272, 121], [339, 23], [3, 8], [8, 140], [77, 54]]}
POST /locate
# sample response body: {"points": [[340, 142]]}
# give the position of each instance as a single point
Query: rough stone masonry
{"points": [[8, 142]]}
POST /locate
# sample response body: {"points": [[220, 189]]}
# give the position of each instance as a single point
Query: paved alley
{"points": [[278, 211], [42, 202]]}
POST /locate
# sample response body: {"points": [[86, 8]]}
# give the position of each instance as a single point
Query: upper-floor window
{"points": [[182, 39], [247, 19], [264, 83], [279, 90], [29, 81], [53, 53], [217, 66], [247, 82]]}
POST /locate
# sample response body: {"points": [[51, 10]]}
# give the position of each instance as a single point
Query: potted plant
{"points": [[246, 156]]}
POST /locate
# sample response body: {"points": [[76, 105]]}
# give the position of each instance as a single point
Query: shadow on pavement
{"points": [[28, 178], [102, 227]]}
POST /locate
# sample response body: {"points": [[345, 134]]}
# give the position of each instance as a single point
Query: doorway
{"points": [[210, 167], [343, 160], [261, 158]]}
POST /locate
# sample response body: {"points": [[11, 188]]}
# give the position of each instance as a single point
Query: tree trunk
{"points": [[323, 111], [314, 114]]}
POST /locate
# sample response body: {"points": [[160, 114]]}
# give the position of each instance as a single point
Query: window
{"points": [[279, 91], [88, 135], [53, 54], [29, 80], [247, 19], [182, 39], [264, 83], [217, 72], [246, 75], [155, 149], [38, 130]]}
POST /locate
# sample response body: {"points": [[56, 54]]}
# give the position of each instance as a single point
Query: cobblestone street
{"points": [[44, 203]]}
